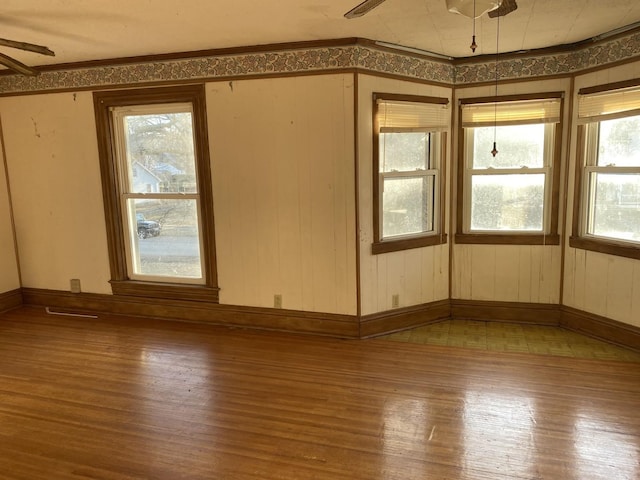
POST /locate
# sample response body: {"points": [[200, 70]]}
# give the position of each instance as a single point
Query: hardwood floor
{"points": [[121, 398]]}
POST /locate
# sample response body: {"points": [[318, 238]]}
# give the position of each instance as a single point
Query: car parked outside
{"points": [[147, 228]]}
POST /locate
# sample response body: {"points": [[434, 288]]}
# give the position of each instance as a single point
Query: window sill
{"points": [[507, 239], [199, 293], [388, 246], [610, 247]]}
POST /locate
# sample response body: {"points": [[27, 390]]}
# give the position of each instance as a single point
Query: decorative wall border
{"points": [[214, 67], [333, 56], [534, 65]]}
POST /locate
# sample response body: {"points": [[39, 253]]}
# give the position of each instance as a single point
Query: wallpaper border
{"points": [[362, 55]]}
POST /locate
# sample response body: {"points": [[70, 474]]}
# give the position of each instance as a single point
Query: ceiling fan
{"points": [[496, 8], [14, 64]]}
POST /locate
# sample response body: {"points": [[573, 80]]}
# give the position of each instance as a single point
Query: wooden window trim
{"points": [[380, 246], [120, 283], [551, 238], [577, 240]]}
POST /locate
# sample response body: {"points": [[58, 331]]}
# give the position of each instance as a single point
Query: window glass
{"points": [[408, 187], [507, 202], [160, 200], [407, 205], [619, 142], [615, 206], [166, 242], [404, 151], [518, 146]]}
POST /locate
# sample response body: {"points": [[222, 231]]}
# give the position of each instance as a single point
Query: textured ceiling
{"points": [[80, 30]]}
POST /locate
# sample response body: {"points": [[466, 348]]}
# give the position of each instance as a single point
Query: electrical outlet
{"points": [[277, 301], [74, 285], [395, 300]]}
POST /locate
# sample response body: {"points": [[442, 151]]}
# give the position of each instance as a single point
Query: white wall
{"points": [[284, 191], [602, 284], [284, 173], [511, 273], [53, 165], [419, 275], [9, 276]]}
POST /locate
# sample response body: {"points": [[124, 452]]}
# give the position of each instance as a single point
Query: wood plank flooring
{"points": [[122, 398]]}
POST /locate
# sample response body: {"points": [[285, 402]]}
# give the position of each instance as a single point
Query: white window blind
{"points": [[608, 105], [521, 112], [394, 116]]}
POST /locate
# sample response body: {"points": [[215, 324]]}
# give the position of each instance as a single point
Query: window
{"points": [[510, 197], [157, 188], [607, 214], [409, 142]]}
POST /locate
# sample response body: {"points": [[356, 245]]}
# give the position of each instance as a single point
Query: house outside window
{"points": [[409, 145], [512, 196], [157, 189], [607, 211]]}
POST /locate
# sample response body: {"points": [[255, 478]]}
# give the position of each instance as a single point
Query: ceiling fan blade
{"points": [[30, 47], [364, 7], [17, 66], [507, 6]]}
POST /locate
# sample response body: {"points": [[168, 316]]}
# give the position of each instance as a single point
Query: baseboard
{"points": [[403, 318], [10, 300], [603, 328], [513, 312], [344, 326]]}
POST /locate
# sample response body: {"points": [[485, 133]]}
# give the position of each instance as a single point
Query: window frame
{"points": [[579, 237], [436, 169], [117, 234], [550, 235]]}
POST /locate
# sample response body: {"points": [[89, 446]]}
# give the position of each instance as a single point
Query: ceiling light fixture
{"points": [[472, 8]]}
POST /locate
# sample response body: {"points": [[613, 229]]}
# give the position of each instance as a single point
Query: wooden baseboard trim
{"points": [[514, 312], [10, 300], [343, 326], [404, 318], [602, 328]]}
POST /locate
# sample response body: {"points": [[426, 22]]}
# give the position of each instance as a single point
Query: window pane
{"points": [[518, 146], [164, 239], [404, 151], [620, 142], [507, 202], [160, 153], [407, 206], [616, 206]]}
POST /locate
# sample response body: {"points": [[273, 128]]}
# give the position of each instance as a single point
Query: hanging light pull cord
{"points": [[474, 45], [494, 152]]}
